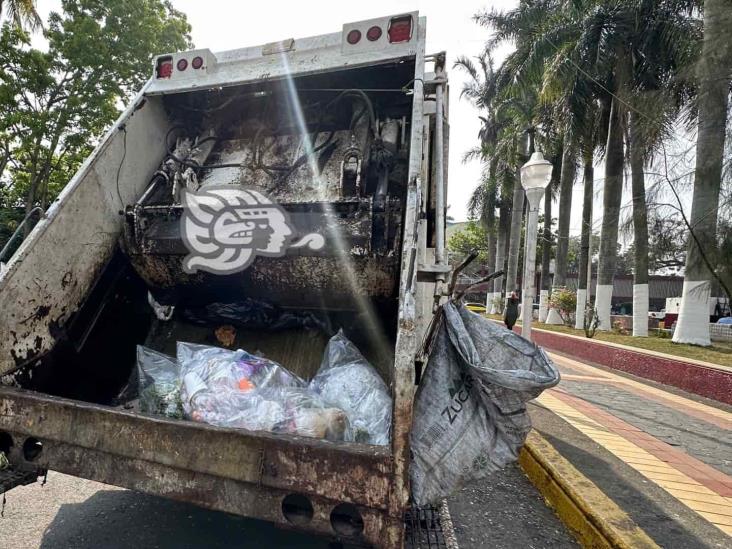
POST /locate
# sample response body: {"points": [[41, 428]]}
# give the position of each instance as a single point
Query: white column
{"points": [[553, 317], [693, 324], [494, 309], [579, 311], [640, 310], [543, 305], [603, 300]]}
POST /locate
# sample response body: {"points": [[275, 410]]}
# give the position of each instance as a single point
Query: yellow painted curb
{"points": [[594, 519]]}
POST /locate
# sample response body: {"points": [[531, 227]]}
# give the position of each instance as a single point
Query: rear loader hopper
{"points": [[339, 142]]}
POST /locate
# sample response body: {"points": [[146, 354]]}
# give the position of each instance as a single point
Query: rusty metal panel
{"points": [[410, 293], [352, 264], [210, 491], [301, 185], [355, 473], [49, 276]]}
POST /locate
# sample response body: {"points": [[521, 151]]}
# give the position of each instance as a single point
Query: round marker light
{"points": [[182, 64], [197, 62], [374, 33], [353, 37]]}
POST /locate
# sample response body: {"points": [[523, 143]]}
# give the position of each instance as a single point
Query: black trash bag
{"points": [[470, 415], [251, 313]]}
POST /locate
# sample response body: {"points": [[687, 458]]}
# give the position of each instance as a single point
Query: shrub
{"points": [[619, 328], [565, 302]]}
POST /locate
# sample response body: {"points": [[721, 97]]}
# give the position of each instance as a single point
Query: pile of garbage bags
{"points": [[346, 400]]}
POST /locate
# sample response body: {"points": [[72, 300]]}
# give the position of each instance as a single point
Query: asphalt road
{"points": [[73, 513], [503, 511]]}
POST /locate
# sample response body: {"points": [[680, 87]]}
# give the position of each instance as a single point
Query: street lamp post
{"points": [[535, 176]]}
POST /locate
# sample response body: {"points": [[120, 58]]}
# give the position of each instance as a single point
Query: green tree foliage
{"points": [[667, 242], [57, 102], [473, 238]]}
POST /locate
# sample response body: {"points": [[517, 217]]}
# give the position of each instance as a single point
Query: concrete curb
{"points": [[594, 519]]}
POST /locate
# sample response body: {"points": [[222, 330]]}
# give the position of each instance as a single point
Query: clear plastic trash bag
{"points": [[240, 390], [158, 383], [289, 410], [225, 370], [470, 415], [347, 381]]}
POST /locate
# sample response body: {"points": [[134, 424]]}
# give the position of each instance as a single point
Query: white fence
{"points": [[720, 332]]}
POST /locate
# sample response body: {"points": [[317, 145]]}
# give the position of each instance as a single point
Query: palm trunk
{"points": [[566, 181], [640, 231], [546, 251], [503, 223], [546, 255], [715, 61], [514, 243], [583, 284], [490, 225], [610, 216]]}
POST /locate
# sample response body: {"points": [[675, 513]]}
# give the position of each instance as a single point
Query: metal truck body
{"points": [[74, 296]]}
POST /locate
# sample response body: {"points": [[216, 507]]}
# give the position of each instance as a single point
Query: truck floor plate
{"points": [[423, 529]]}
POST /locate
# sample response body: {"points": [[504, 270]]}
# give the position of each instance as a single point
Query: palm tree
{"points": [[482, 205], [517, 105], [566, 182], [578, 52], [640, 227], [714, 68], [537, 64], [616, 49], [584, 281], [520, 110], [21, 12], [508, 112], [502, 241], [546, 250], [480, 91]]}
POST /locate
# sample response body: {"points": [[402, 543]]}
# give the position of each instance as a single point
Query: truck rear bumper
{"points": [[336, 486]]}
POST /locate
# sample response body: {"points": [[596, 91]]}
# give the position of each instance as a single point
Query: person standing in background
{"points": [[512, 312]]}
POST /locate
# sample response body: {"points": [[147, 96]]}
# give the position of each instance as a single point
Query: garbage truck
{"points": [[340, 144]]}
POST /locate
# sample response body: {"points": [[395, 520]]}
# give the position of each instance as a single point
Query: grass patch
{"points": [[718, 353]]}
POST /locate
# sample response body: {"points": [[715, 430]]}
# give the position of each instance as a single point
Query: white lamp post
{"points": [[535, 176]]}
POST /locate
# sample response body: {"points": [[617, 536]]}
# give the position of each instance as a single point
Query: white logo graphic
{"points": [[226, 227]]}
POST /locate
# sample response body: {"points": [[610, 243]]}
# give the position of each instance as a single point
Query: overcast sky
{"points": [[228, 24]]}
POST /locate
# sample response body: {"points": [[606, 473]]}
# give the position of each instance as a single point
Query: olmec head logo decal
{"points": [[226, 227]]}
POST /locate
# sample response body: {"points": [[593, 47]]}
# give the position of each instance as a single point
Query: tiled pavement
{"points": [[680, 444]]}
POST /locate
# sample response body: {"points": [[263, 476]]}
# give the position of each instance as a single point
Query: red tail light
{"points": [[354, 36], [164, 67], [374, 33], [197, 62], [182, 64], [400, 29]]}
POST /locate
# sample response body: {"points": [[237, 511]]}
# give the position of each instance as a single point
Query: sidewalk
{"points": [[664, 456]]}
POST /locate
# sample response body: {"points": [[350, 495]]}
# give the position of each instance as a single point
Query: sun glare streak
{"points": [[374, 328]]}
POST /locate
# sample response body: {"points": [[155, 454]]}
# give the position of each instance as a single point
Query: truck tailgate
{"points": [[236, 471]]}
